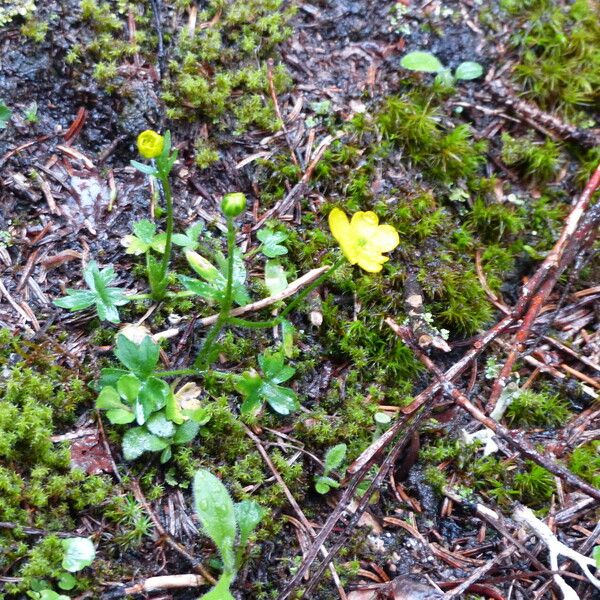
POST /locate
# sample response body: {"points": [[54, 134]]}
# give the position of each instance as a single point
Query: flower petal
{"points": [[341, 231], [339, 224], [364, 225], [386, 238], [370, 263]]}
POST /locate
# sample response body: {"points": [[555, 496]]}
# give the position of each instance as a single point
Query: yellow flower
{"points": [[150, 144], [362, 239]]}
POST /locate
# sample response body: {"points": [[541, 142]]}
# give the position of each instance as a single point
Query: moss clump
{"points": [[219, 72], [413, 122], [37, 485], [536, 160], [495, 478], [585, 462], [530, 408], [559, 47]]}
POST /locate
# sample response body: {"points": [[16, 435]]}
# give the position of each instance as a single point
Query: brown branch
{"points": [[514, 439], [411, 425], [538, 288]]}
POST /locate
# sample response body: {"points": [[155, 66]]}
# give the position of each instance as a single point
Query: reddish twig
{"points": [[514, 439], [538, 288]]}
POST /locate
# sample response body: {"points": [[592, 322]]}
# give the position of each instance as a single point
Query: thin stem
{"points": [[183, 294], [290, 307], [177, 372], [164, 266], [203, 358]]}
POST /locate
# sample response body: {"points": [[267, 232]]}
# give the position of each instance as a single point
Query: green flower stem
{"points": [[164, 267], [290, 307], [205, 352]]}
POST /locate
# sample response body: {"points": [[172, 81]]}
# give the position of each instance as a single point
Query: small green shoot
{"points": [[425, 62], [5, 114], [271, 242], [144, 239], [258, 389], [31, 113], [106, 299], [334, 457], [227, 524]]}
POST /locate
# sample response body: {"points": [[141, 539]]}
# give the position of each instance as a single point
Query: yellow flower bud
{"points": [[150, 144]]}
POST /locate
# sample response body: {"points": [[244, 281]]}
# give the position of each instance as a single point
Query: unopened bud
{"points": [[234, 204]]}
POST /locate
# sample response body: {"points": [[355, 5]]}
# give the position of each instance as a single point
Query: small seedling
{"points": [[31, 113], [258, 389], [271, 242], [5, 114], [425, 62], [334, 457], [106, 299], [227, 524]]}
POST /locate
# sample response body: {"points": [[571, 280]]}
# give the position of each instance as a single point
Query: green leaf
{"points": [[145, 169], [280, 399], [202, 289], [79, 552], [145, 230], [248, 515], [596, 556], [104, 297], [273, 367], [109, 398], [159, 425], [76, 300], [110, 377], [138, 440], [421, 61], [271, 242], [249, 384], [221, 590], [186, 432], [468, 70], [50, 595], [275, 278], [66, 581], [215, 510], [154, 394], [120, 416], [5, 114], [323, 484], [141, 358], [128, 387], [189, 240], [334, 457]]}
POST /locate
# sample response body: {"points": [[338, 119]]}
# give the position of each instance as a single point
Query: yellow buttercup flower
{"points": [[150, 144], [362, 239]]}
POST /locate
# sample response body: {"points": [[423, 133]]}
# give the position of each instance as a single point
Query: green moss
{"points": [[413, 122], [585, 462], [559, 53], [38, 487], [530, 408], [219, 74], [537, 161]]}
